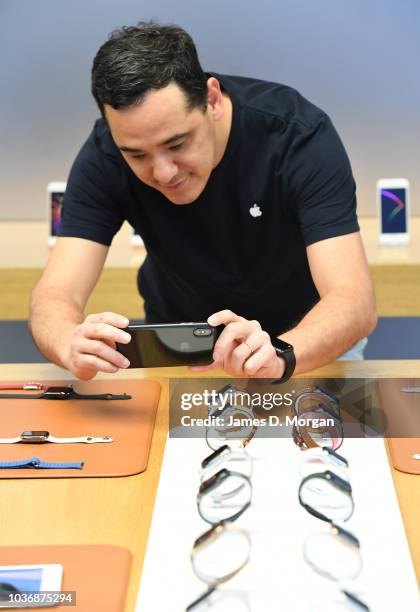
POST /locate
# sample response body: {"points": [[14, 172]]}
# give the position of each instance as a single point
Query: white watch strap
{"points": [[83, 439]]}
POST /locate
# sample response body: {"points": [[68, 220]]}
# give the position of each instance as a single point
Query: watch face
{"points": [[34, 436], [281, 345], [58, 392]]}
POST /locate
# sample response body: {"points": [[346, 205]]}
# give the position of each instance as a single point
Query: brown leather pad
{"points": [[129, 422], [402, 451], [98, 573], [402, 412]]}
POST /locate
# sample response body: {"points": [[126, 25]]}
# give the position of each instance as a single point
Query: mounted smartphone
{"points": [[17, 582], [393, 209], [55, 195], [169, 344]]}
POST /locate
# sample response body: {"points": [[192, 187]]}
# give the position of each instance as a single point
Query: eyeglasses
{"points": [[216, 557], [309, 407]]}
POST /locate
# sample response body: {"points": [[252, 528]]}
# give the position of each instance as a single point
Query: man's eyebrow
{"points": [[173, 138]]}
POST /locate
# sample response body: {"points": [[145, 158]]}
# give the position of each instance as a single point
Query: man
{"points": [[244, 196]]}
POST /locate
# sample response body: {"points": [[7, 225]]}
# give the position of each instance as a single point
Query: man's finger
{"points": [[95, 363], [223, 317], [206, 368], [98, 348], [105, 331], [229, 338], [111, 318]]}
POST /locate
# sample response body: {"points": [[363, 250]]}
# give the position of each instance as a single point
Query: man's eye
{"points": [[175, 147], [140, 156]]}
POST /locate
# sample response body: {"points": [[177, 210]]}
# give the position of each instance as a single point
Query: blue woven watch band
{"points": [[34, 462]]}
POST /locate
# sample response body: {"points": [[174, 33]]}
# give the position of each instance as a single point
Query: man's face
{"points": [[167, 146]]}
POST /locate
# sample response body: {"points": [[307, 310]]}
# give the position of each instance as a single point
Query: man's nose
{"points": [[164, 170]]}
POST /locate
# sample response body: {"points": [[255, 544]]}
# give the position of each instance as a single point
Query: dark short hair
{"points": [[137, 59]]}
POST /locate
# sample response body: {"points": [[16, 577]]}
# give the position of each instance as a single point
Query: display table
{"points": [[118, 511]]}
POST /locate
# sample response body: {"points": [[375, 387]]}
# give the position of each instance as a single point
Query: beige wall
{"points": [[357, 60]]}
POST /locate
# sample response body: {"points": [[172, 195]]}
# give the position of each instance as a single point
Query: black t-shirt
{"points": [[283, 183]]}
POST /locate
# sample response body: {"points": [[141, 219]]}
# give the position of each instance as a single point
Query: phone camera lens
{"points": [[202, 332]]}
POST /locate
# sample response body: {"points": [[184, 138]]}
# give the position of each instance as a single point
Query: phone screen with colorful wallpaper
{"points": [[15, 580], [56, 210], [19, 584], [393, 210]]}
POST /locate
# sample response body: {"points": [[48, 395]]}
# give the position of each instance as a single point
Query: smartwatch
{"points": [[286, 352], [40, 437]]}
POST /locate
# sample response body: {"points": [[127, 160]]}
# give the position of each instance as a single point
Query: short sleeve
{"points": [[321, 186], [90, 208]]}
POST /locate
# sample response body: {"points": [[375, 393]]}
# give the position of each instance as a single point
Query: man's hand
{"points": [[93, 345], [243, 349]]}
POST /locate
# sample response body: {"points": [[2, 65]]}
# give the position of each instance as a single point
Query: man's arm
{"points": [[345, 313], [57, 322]]}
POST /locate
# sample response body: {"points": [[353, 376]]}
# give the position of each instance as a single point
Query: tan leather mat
{"points": [[402, 412], [129, 422], [97, 573], [403, 452]]}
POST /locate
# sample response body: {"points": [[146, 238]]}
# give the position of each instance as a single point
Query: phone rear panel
{"points": [[169, 345]]}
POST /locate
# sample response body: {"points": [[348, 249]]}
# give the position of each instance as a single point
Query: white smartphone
{"points": [[393, 210], [55, 195], [136, 239], [17, 582]]}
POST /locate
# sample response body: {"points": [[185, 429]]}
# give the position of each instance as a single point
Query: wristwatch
{"points": [[222, 432], [63, 393], [285, 351], [40, 437], [310, 405]]}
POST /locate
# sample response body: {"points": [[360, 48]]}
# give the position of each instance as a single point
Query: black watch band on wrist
{"points": [[285, 351]]}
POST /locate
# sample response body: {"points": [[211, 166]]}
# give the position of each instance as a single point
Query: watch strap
{"points": [[82, 439], [21, 395], [289, 358], [28, 386], [101, 396], [70, 393], [55, 440], [35, 462]]}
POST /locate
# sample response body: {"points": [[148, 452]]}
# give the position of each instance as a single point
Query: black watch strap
{"points": [[64, 393], [285, 351]]}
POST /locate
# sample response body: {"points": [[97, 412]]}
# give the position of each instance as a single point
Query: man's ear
{"points": [[215, 98]]}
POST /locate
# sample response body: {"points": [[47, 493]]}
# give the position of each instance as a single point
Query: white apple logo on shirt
{"points": [[255, 211]]}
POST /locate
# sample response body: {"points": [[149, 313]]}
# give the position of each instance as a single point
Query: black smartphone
{"points": [[169, 344]]}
